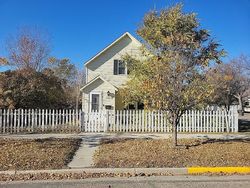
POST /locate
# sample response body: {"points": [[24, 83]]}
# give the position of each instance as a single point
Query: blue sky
{"points": [[81, 28]]}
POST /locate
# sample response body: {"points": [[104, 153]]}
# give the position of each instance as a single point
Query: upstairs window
{"points": [[119, 67]]}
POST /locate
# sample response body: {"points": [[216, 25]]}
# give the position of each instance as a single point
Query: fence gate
{"points": [[95, 121]]}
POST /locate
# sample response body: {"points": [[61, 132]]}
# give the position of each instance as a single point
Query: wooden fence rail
{"points": [[157, 121], [49, 120], [39, 120]]}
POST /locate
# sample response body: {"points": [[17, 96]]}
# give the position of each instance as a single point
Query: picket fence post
{"points": [[107, 122], [1, 123], [236, 123]]}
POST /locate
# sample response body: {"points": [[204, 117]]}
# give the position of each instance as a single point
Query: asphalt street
{"points": [[140, 182]]}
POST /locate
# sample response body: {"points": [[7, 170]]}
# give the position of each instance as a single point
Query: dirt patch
{"points": [[51, 153], [159, 153]]}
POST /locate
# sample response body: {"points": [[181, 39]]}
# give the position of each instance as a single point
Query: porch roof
{"points": [[94, 80]]}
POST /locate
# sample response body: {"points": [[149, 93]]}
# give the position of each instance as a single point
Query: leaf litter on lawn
{"points": [[34, 154], [160, 153]]}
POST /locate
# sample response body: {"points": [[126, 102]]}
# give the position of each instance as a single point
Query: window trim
{"points": [[118, 66], [100, 101]]}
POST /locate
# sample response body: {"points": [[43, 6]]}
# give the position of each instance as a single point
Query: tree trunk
{"points": [[241, 110], [77, 97], [228, 102], [174, 131]]}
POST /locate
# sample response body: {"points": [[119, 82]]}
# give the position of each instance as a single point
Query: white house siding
{"points": [[104, 64], [102, 87]]}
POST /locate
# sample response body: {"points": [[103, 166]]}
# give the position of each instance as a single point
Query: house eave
{"points": [[109, 46], [94, 80]]}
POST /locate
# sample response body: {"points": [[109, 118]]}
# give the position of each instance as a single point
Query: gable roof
{"points": [[94, 80], [113, 43]]}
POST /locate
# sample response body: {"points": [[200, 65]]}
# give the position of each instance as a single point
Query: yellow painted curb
{"points": [[196, 170]]}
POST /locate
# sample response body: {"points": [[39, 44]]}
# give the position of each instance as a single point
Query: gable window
{"points": [[119, 67]]}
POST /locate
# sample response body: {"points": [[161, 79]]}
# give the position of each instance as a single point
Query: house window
{"points": [[136, 106], [119, 67]]}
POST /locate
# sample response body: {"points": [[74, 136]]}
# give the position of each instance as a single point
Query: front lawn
{"points": [[158, 153], [34, 154]]}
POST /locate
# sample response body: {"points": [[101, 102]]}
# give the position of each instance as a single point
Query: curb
{"points": [[227, 170], [163, 171], [167, 171]]}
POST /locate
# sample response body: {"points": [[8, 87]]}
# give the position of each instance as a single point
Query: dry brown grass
{"points": [[159, 153], [19, 154]]}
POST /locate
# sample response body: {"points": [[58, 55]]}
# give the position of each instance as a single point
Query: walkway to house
{"points": [[84, 156]]}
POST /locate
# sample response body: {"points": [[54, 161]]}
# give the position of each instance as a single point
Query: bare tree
{"points": [[232, 82], [80, 81], [74, 78], [27, 49], [244, 61], [241, 78]]}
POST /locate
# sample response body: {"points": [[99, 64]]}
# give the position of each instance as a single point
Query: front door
{"points": [[95, 102]]}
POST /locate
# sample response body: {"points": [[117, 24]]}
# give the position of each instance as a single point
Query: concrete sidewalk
{"points": [[92, 137], [165, 171]]}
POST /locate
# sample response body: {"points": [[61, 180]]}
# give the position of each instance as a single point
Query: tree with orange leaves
{"points": [[172, 75]]}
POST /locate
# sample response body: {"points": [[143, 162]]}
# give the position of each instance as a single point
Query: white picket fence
{"points": [[157, 121], [47, 120], [37, 120]]}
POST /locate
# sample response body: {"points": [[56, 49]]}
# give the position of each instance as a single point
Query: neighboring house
{"points": [[247, 105], [106, 73]]}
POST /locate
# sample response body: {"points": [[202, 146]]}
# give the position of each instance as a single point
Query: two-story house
{"points": [[106, 73]]}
